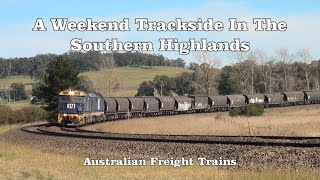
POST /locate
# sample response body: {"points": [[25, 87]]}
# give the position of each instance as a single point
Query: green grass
{"points": [[6, 156], [129, 78], [6, 82], [18, 104]]}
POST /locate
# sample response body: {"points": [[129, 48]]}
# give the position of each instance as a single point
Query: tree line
{"points": [[252, 72], [16, 92], [89, 61], [249, 73]]}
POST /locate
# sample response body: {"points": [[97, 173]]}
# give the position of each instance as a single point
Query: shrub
{"points": [[236, 111], [5, 114], [18, 116], [248, 110], [23, 115]]}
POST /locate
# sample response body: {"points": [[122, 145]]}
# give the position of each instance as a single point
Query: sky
{"points": [[19, 16]]}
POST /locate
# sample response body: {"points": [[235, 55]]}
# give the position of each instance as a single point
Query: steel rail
{"points": [[245, 140]]}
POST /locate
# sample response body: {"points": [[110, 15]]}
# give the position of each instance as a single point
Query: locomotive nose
{"points": [[70, 119]]}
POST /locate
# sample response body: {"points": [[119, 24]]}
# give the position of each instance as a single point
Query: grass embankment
{"points": [[288, 121]]}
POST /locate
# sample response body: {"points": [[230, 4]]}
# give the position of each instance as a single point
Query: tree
{"points": [[193, 66], [210, 67], [229, 82], [18, 92], [146, 89], [85, 84], [179, 62], [246, 65], [60, 75], [111, 79], [252, 63], [182, 83], [304, 56], [263, 70], [284, 57], [269, 65], [164, 85], [185, 85]]}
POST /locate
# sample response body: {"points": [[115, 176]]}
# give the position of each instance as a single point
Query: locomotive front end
{"points": [[71, 107]]}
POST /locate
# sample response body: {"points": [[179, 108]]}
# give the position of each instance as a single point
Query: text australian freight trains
{"points": [[79, 107]]}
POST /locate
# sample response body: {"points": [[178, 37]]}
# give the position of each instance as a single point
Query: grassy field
{"points": [[289, 121], [21, 162], [18, 104], [129, 78], [5, 83]]}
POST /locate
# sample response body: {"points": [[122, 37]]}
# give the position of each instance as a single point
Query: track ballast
{"points": [[78, 132]]}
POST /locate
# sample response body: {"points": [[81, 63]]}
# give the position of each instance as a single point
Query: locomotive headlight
{"points": [[71, 93]]}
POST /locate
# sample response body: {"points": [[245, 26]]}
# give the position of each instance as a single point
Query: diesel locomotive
{"points": [[79, 108]]}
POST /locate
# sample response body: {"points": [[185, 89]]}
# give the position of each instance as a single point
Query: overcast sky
{"points": [[18, 17]]}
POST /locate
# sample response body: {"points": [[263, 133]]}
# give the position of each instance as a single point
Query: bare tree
{"points": [[109, 81], [246, 65], [269, 69], [108, 60], [112, 80], [252, 63], [262, 59], [240, 57], [267, 64], [317, 75], [304, 56], [284, 56], [210, 65]]}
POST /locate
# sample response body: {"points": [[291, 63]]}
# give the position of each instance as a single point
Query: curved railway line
{"points": [[78, 132]]}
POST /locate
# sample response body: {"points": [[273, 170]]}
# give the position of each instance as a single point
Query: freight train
{"points": [[79, 108]]}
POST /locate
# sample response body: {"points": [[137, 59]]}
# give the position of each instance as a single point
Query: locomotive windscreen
{"points": [[74, 99], [71, 104]]}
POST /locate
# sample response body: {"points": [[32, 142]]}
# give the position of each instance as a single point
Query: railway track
{"points": [[78, 132]]}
